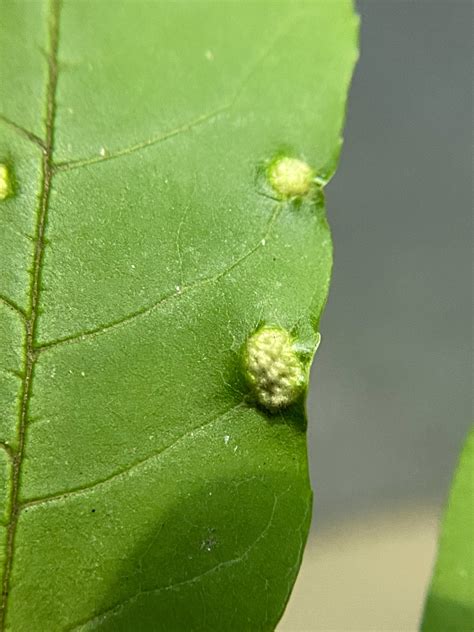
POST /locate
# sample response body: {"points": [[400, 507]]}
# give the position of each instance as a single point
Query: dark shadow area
{"points": [[447, 615], [226, 564]]}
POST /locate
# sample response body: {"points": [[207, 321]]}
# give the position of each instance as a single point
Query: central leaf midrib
{"points": [[34, 295]]}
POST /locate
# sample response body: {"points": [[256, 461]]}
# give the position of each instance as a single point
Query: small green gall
{"points": [[272, 368], [5, 182], [290, 177]]}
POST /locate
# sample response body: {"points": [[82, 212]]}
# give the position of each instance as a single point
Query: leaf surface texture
{"points": [[140, 488]]}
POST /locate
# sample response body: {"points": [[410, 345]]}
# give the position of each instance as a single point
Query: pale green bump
{"points": [[290, 177], [5, 182], [272, 368]]}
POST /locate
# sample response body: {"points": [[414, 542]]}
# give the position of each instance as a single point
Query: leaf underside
{"points": [[140, 487], [450, 602]]}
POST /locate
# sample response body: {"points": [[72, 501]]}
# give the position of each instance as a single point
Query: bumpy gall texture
{"points": [[272, 368], [290, 177]]}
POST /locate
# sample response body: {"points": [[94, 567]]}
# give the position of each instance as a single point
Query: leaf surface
{"points": [[141, 488], [450, 603]]}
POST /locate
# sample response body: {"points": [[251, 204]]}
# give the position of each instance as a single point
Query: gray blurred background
{"points": [[391, 393], [391, 396]]}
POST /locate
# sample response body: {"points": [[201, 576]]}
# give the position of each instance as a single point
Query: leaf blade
{"points": [[450, 602], [163, 251]]}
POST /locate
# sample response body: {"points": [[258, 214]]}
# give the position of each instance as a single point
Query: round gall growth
{"points": [[272, 368], [290, 177], [5, 182]]}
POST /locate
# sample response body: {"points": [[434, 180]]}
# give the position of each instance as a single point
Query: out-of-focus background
{"points": [[391, 397]]}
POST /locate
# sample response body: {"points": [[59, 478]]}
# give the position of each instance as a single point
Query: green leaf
{"points": [[450, 603], [143, 487]]}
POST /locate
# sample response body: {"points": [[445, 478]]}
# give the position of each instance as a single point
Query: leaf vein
{"points": [[126, 151], [122, 473], [13, 306], [112, 612], [76, 163], [34, 294], [6, 447], [143, 311], [24, 132]]}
